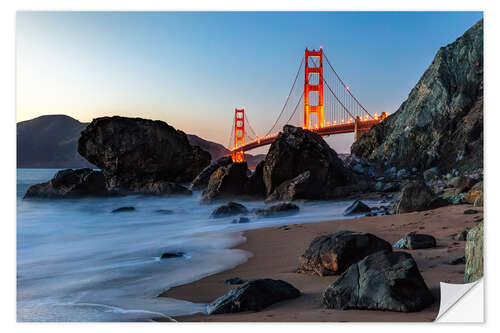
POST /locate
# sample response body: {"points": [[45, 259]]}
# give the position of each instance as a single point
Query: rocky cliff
{"points": [[441, 122]]}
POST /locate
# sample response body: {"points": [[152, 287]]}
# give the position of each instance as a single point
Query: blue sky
{"points": [[192, 69]]}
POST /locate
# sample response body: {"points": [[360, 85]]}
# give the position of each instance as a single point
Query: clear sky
{"points": [[192, 69]]}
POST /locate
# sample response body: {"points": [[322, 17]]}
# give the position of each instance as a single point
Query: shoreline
{"points": [[275, 252]]}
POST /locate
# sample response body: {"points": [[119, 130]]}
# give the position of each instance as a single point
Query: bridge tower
{"points": [[316, 86], [239, 135]]}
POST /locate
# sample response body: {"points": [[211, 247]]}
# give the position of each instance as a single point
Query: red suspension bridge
{"points": [[329, 111]]}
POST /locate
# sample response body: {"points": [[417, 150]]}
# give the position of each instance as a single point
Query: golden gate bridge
{"points": [[329, 111]]}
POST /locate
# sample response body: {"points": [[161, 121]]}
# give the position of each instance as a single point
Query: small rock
{"points": [[401, 173], [235, 280], [164, 211], [123, 209], [229, 209], [254, 295], [358, 169], [431, 174], [413, 241], [470, 211], [168, 255], [281, 209], [356, 207], [391, 170], [457, 261]]}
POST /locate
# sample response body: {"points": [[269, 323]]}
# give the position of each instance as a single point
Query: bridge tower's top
{"points": [[313, 83]]}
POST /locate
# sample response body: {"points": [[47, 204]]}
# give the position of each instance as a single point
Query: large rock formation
{"points": [[201, 181], [70, 184], [226, 182], [296, 152], [381, 281], [254, 295], [474, 254], [333, 254], [441, 122], [135, 154]]}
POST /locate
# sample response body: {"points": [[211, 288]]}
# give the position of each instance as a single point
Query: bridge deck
{"points": [[363, 126]]}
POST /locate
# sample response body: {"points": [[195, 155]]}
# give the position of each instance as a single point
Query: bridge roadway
{"points": [[363, 126]]}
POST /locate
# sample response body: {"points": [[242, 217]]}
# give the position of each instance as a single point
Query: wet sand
{"points": [[275, 255]]}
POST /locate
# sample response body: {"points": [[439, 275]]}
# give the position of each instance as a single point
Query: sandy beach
{"points": [[275, 253]]}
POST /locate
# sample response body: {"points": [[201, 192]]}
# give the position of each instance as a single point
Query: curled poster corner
{"points": [[461, 302]]}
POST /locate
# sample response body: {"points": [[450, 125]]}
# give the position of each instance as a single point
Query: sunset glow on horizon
{"points": [[193, 69]]}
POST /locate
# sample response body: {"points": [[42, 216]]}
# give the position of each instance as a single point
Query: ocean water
{"points": [[77, 261]]}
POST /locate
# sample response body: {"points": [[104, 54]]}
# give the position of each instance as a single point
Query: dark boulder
{"points": [[254, 295], [226, 182], [474, 255], [123, 209], [357, 207], [441, 123], [255, 184], [201, 181], [413, 241], [135, 154], [333, 254], [417, 196], [388, 281], [278, 210], [229, 209], [291, 189], [71, 183], [296, 151]]}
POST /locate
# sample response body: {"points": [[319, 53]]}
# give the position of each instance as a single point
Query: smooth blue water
{"points": [[76, 261]]}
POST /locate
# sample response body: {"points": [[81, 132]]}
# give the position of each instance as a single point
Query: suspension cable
{"points": [[249, 125], [296, 106], [231, 136], [346, 110], [288, 97], [342, 82]]}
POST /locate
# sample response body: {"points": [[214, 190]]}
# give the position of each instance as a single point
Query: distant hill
{"points": [[51, 142]]}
